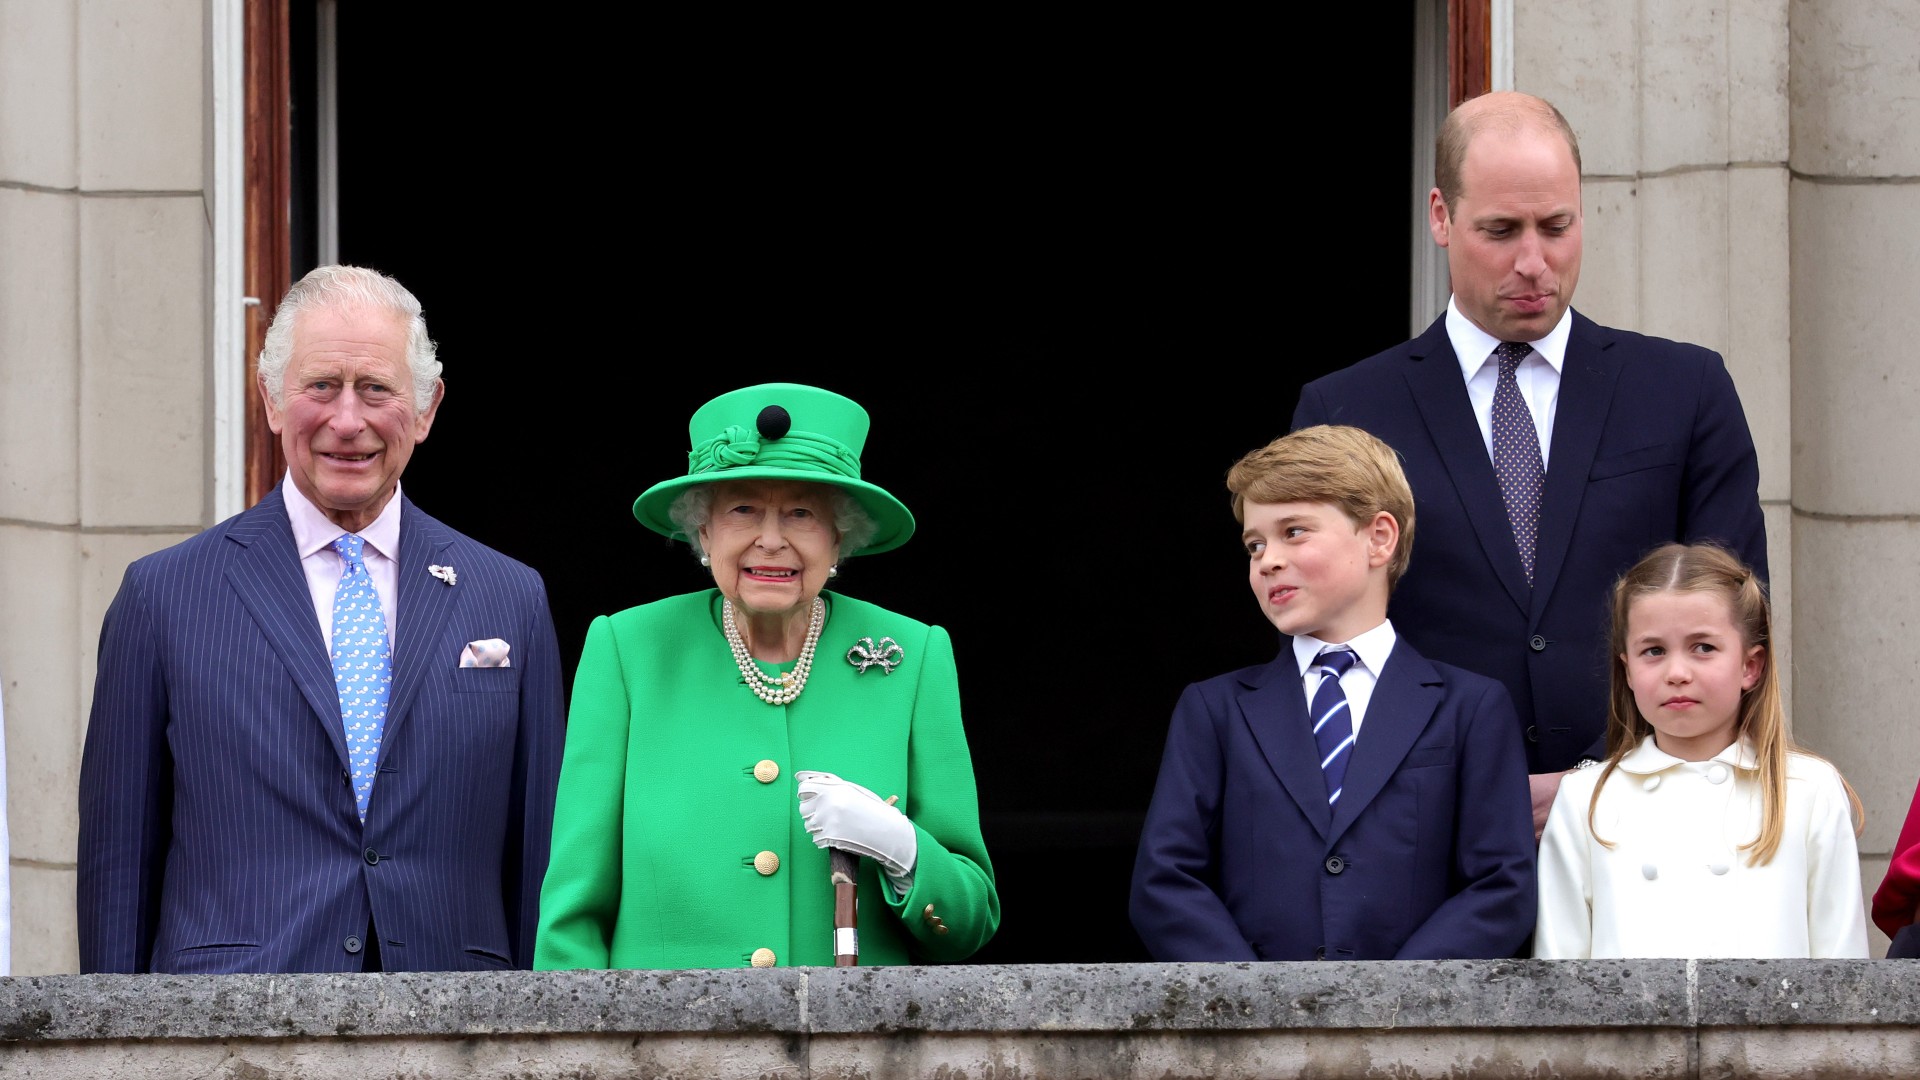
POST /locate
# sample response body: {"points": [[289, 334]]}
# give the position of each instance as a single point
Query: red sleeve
{"points": [[1894, 901]]}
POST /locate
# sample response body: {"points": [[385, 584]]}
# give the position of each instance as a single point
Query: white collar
{"points": [[1473, 347], [1647, 758], [1372, 647], [313, 530]]}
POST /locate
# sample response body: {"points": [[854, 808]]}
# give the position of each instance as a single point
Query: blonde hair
{"points": [[1329, 463], [1706, 568]]}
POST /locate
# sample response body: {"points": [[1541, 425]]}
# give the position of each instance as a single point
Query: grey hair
{"points": [[345, 287], [693, 507]]}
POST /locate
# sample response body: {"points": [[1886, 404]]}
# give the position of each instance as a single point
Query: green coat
{"points": [[660, 814]]}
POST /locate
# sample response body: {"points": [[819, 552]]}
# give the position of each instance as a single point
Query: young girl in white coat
{"points": [[1706, 833]]}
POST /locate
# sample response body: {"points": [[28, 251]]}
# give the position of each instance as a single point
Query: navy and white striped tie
{"points": [[1332, 719]]}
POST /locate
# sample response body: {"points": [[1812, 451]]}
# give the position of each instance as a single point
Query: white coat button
{"points": [[1649, 871], [1717, 774], [1651, 782], [1717, 868]]}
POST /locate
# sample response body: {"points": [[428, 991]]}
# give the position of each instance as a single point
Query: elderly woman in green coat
{"points": [[720, 741]]}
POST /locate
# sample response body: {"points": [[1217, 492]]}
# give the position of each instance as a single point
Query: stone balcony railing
{"points": [[1724, 1018]]}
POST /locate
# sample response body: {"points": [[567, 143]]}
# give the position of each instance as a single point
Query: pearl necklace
{"points": [[784, 688]]}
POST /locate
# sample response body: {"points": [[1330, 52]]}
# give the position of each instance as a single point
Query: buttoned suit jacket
{"points": [[218, 830], [1429, 853], [1650, 445]]}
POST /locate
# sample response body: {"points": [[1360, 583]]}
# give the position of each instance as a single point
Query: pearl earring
{"points": [[833, 571], [704, 561]]}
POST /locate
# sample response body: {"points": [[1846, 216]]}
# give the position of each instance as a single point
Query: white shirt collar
{"points": [[1648, 758], [1473, 347], [312, 530], [1373, 648]]}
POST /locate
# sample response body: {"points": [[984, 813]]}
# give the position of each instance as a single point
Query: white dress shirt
{"points": [[313, 537], [1674, 884], [1372, 649], [1538, 376]]}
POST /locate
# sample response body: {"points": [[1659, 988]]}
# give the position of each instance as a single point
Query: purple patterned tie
{"points": [[1516, 453]]}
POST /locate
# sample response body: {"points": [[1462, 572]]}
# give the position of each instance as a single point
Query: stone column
{"points": [[103, 380], [1856, 398], [1681, 110]]}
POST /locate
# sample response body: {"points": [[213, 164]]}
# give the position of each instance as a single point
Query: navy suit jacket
{"points": [[1427, 855], [218, 832], [1649, 446]]}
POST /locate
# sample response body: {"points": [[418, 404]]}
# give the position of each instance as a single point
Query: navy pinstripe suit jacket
{"points": [[217, 828]]}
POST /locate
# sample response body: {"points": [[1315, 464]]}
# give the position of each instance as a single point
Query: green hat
{"points": [[780, 431]]}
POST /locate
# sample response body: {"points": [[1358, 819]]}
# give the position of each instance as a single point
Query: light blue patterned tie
{"points": [[361, 672]]}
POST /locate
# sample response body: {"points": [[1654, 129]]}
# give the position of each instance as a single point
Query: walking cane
{"points": [[846, 910], [845, 866]]}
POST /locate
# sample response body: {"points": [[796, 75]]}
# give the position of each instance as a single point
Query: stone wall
{"points": [[1488, 1019]]}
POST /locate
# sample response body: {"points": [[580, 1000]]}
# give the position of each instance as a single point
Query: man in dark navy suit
{"points": [[325, 732], [1546, 453]]}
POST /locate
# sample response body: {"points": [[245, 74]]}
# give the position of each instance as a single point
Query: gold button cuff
{"points": [[766, 771], [939, 926], [763, 958], [767, 863]]}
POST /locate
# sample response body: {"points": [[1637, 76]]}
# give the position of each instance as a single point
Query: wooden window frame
{"points": [[269, 231]]}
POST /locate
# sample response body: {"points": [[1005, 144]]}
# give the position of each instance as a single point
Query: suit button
{"points": [[1335, 864], [763, 958], [373, 857], [1533, 733], [352, 944], [1537, 643], [766, 863], [1320, 952], [766, 771]]}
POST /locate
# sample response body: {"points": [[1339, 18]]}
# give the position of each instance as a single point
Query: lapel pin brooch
{"points": [[444, 573], [887, 653]]}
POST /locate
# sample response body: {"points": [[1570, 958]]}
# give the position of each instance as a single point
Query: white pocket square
{"points": [[489, 653]]}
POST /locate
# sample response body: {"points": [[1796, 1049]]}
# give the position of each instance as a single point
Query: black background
{"points": [[1072, 268]]}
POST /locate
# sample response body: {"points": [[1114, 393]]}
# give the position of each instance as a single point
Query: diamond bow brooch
{"points": [[866, 653]]}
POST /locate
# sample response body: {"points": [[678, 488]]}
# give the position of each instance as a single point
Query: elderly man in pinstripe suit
{"points": [[325, 732]]}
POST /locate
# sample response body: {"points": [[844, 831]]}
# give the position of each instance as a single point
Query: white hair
{"points": [[346, 287], [693, 507]]}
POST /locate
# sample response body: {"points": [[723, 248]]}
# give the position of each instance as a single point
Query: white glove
{"points": [[842, 814]]}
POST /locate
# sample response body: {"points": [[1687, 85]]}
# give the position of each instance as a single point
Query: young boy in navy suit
{"points": [[1350, 800]]}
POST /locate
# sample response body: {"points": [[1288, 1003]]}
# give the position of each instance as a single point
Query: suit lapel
{"points": [[266, 575], [1587, 380], [1275, 709], [425, 603], [1403, 702], [1433, 376]]}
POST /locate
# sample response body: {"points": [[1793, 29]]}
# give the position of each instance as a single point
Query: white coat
{"points": [[1674, 884]]}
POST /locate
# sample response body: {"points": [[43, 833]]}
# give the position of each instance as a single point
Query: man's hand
{"points": [[1545, 786]]}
